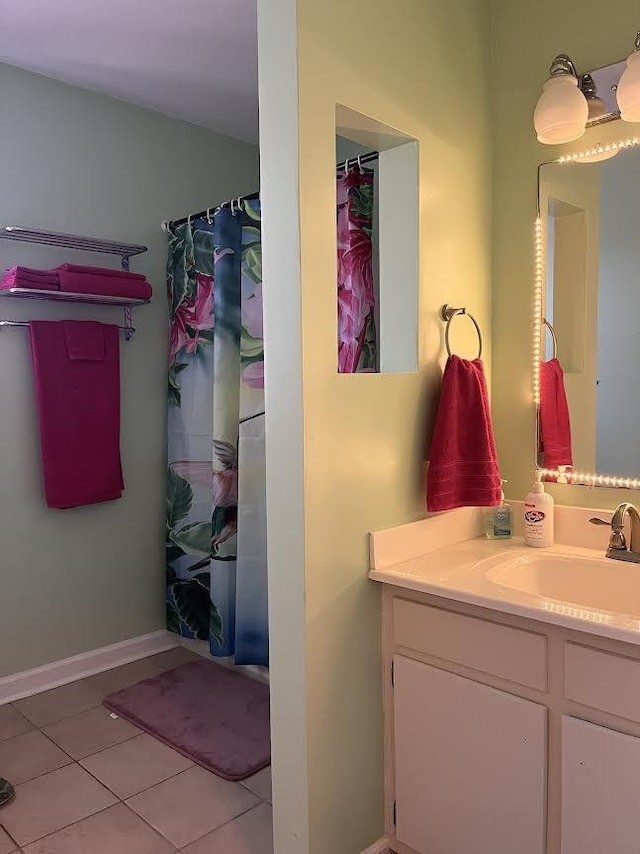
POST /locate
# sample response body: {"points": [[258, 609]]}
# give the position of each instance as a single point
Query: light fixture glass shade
{"points": [[561, 112], [628, 93]]}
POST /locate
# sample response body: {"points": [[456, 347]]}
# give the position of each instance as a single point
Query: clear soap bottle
{"points": [[498, 521]]}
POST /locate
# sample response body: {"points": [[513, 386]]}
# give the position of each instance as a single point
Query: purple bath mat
{"points": [[217, 718]]}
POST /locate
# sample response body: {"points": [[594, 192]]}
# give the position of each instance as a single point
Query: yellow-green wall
{"points": [[525, 38], [420, 66]]}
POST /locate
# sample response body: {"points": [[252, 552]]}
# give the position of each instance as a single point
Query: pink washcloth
{"points": [[99, 271], [100, 285], [76, 369], [463, 463]]}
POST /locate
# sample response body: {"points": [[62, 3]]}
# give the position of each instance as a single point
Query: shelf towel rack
{"points": [[73, 241], [124, 251]]}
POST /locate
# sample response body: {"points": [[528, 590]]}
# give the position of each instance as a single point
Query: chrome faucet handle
{"points": [[617, 540]]}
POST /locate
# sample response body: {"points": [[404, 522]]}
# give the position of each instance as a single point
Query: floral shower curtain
{"points": [[357, 339], [216, 505]]}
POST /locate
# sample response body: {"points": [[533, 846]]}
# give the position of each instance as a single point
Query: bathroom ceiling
{"points": [[195, 60]]}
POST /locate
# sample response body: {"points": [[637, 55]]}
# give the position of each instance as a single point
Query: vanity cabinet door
{"points": [[600, 790], [470, 765]]}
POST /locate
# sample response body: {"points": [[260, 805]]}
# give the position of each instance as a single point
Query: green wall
{"points": [[74, 161]]}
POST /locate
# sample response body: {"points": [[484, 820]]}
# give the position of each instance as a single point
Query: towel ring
{"points": [[546, 323], [447, 313]]}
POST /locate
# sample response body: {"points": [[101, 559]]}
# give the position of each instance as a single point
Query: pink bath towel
{"points": [[76, 370], [99, 284], [25, 277], [99, 271], [463, 463]]}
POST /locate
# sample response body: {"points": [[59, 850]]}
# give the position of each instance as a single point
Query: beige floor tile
{"points": [[135, 765], [7, 845], [260, 783], [251, 833], [30, 755], [88, 733], [173, 658], [52, 802], [123, 677], [12, 723], [192, 804], [113, 831], [63, 702]]}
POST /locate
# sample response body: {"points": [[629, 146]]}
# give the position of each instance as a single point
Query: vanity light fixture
{"points": [[571, 102], [562, 111], [628, 92]]}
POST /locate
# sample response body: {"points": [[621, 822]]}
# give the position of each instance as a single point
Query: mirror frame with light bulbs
{"points": [[571, 477]]}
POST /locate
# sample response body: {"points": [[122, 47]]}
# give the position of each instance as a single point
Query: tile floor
{"points": [[89, 784]]}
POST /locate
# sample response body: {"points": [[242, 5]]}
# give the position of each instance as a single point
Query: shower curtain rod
{"points": [[352, 163]]}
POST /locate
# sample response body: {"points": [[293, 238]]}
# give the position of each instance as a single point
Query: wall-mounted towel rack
{"points": [[554, 337], [128, 330], [73, 241], [447, 313], [125, 251]]}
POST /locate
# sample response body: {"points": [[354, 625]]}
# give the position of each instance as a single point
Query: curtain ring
{"points": [[346, 167], [165, 225], [189, 221], [360, 166], [209, 220]]}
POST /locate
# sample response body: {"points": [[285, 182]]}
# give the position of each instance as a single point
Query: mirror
{"points": [[588, 294]]}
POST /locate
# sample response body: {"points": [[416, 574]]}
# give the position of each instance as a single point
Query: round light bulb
{"points": [[628, 92], [561, 112]]}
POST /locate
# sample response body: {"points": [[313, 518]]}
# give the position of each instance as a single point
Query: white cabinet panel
{"points": [[470, 765], [600, 790]]}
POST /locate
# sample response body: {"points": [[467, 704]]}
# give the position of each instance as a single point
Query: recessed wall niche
{"points": [[377, 197]]}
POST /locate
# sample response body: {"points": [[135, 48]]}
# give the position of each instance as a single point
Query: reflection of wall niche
{"points": [[394, 233]]}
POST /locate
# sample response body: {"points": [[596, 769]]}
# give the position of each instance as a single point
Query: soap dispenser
{"points": [[498, 521], [538, 516]]}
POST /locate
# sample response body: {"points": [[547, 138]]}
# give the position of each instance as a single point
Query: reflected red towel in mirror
{"points": [[463, 463], [76, 372], [554, 421]]}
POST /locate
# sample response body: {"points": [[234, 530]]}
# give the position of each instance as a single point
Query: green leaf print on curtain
{"points": [[215, 382]]}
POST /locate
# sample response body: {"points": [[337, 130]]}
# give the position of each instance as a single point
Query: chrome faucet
{"points": [[618, 549]]}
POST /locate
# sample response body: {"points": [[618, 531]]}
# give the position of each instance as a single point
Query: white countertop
{"points": [[463, 573]]}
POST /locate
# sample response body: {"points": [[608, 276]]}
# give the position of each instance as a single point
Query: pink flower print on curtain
{"points": [[193, 316], [357, 340]]}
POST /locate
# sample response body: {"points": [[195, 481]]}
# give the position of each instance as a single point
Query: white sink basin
{"points": [[602, 584]]}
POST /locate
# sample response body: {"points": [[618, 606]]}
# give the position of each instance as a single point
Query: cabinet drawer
{"points": [[502, 651], [603, 681]]}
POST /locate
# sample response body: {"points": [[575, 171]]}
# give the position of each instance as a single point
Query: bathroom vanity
{"points": [[511, 697]]}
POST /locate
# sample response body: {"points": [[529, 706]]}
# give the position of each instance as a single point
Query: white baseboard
{"points": [[40, 679], [379, 847]]}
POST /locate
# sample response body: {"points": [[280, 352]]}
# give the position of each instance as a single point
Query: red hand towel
{"points": [[463, 465], [76, 369], [554, 420]]}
